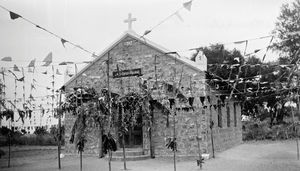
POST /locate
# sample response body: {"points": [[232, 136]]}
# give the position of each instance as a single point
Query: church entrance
{"points": [[134, 136]]}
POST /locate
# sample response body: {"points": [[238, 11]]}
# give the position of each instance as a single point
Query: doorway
{"points": [[134, 135]]}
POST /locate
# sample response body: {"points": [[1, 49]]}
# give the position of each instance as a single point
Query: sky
{"points": [[95, 24]]}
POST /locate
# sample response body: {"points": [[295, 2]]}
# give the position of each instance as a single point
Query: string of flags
{"points": [[63, 41], [186, 5], [47, 61]]}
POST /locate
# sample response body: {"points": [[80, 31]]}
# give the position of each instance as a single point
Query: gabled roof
{"points": [[145, 41]]}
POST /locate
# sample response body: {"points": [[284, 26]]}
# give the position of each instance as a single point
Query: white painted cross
{"points": [[129, 21]]}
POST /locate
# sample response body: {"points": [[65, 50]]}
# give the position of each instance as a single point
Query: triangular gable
{"points": [[143, 40]]}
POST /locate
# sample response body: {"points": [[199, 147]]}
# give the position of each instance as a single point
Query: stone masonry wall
{"points": [[186, 132], [225, 137], [131, 53], [92, 137]]}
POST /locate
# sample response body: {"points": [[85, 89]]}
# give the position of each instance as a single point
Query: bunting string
{"points": [[23, 85], [53, 90], [4, 84], [268, 47], [186, 5], [14, 16]]}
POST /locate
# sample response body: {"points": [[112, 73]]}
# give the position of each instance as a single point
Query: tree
{"points": [[40, 131], [249, 80], [216, 54], [287, 28], [252, 60]]}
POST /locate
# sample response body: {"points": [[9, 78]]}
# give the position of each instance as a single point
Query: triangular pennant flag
{"points": [[63, 41], [47, 64], [257, 50], [31, 97], [179, 16], [7, 59], [48, 59], [87, 62], [147, 32], [57, 72], [188, 5], [208, 99], [202, 98], [14, 15], [21, 79], [32, 63], [32, 86], [239, 42], [63, 63], [16, 68], [223, 97]]}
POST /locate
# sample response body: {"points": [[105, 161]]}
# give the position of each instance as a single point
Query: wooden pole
{"points": [[81, 104], [174, 136], [297, 143], [212, 134], [109, 109], [198, 143], [123, 138], [123, 125], [174, 112], [59, 112], [100, 140], [150, 131], [297, 139], [9, 143], [80, 160], [11, 125]]}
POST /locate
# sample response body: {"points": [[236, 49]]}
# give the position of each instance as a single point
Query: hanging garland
{"points": [[7, 113], [89, 108]]}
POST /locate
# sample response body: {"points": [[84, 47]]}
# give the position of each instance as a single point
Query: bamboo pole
{"points": [[81, 112], [109, 109], [174, 135], [123, 132], [197, 138], [123, 139], [297, 139], [9, 144], [59, 129], [211, 133]]}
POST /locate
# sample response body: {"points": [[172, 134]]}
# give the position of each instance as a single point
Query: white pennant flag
{"points": [[188, 5]]}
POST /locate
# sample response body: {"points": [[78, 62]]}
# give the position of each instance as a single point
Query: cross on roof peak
{"points": [[129, 21]]}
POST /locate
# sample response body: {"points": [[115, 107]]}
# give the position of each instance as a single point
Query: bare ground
{"points": [[250, 156]]}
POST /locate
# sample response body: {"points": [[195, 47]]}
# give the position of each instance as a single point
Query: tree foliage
{"points": [[258, 85], [40, 131], [288, 30]]}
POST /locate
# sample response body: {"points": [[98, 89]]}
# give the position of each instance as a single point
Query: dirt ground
{"points": [[250, 156]]}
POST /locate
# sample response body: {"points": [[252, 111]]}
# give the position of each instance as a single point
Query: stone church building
{"points": [[141, 59]]}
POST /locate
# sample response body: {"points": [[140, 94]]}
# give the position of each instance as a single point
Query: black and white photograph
{"points": [[149, 85]]}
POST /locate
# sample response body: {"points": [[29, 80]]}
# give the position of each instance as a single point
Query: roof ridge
{"points": [[143, 40]]}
